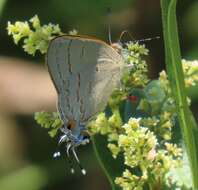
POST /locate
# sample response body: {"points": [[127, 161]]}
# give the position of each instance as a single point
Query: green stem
{"points": [[111, 167], [176, 78], [102, 164], [150, 186]]}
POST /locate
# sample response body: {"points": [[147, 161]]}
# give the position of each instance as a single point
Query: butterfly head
{"points": [[117, 46]]}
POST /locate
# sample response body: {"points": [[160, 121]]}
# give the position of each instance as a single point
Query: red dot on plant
{"points": [[133, 98]]}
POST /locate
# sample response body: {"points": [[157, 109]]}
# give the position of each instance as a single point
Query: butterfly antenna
{"points": [[147, 39], [125, 32], [78, 161], [68, 147], [141, 40], [109, 34], [109, 25]]}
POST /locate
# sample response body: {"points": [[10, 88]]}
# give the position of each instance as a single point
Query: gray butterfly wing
{"points": [[85, 72]]}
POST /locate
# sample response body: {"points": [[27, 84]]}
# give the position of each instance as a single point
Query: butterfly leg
{"points": [[63, 138]]}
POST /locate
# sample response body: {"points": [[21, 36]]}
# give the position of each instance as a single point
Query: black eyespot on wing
{"points": [[69, 126], [86, 137]]}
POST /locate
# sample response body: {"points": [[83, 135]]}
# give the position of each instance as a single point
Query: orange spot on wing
{"points": [[71, 124]]}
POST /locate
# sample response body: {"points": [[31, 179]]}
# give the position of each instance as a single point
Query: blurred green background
{"points": [[26, 150]]}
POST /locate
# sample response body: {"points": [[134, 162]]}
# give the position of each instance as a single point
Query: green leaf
{"points": [[176, 78], [111, 167]]}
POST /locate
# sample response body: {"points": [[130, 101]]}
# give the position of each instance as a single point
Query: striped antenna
{"points": [[123, 33], [147, 39], [109, 25], [141, 40]]}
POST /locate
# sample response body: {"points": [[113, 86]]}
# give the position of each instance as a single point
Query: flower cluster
{"points": [[35, 37], [191, 70], [49, 121], [132, 54], [144, 156]]}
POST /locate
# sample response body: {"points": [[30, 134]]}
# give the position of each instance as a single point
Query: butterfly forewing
{"points": [[85, 72]]}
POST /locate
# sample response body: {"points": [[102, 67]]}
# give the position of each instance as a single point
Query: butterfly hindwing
{"points": [[84, 71]]}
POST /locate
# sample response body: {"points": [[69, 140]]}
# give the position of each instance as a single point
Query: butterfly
{"points": [[85, 71]]}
